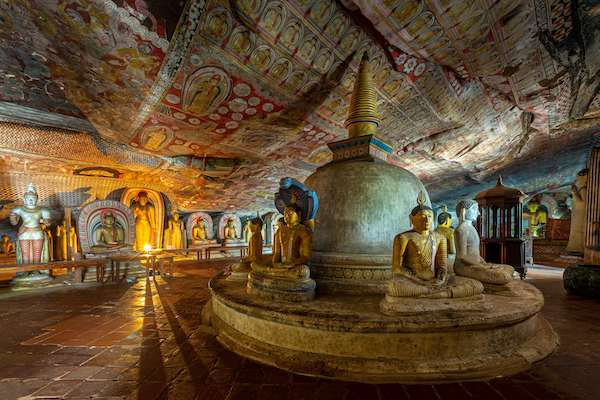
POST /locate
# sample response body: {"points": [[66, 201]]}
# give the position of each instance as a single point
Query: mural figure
{"points": [[291, 35], [280, 70], [156, 138], [323, 61], [250, 7], [407, 11], [578, 209], [383, 75], [240, 43], [217, 25], [32, 243], [337, 26], [145, 222], [308, 48], [261, 58], [109, 236], [350, 41], [295, 81], [7, 248], [273, 18], [205, 96], [459, 10], [321, 12]]}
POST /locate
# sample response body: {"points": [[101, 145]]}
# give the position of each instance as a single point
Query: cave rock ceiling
{"points": [[214, 101]]}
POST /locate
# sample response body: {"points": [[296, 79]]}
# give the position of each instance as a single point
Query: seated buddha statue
{"points": [[7, 248], [292, 250], [419, 263], [286, 276], [538, 218], [200, 233], [109, 236], [468, 261], [444, 228], [230, 231], [254, 251]]}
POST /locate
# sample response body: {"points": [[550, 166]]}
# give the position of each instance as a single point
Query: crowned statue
{"points": [[469, 262], [109, 236], [419, 264], [286, 276], [32, 243]]}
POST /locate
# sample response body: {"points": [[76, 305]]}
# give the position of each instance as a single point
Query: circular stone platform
{"points": [[347, 337]]}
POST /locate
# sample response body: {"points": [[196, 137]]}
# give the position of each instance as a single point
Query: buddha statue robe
{"points": [[419, 263], [468, 261]]}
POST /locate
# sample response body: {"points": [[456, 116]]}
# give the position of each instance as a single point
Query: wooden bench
{"points": [[198, 250], [243, 250], [94, 262]]}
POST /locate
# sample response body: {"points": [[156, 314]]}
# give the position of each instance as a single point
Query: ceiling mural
{"points": [[218, 100]]}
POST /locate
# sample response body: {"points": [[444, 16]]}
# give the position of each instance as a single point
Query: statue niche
{"points": [[106, 226], [199, 228], [148, 208], [230, 229], [7, 248]]}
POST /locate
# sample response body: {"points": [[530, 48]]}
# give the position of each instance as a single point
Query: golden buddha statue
{"points": [[468, 261], [292, 250], [7, 248], [145, 222], [175, 233], [230, 231], [241, 269], [247, 231], [200, 233], [444, 228], [62, 236], [419, 262], [50, 248], [109, 236], [538, 217]]}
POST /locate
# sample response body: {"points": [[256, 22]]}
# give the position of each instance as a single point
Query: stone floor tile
{"points": [[511, 390], [361, 392], [276, 376], [250, 376], [17, 389], [108, 374], [85, 390], [220, 376], [539, 390], [392, 392], [81, 373], [118, 389], [56, 389], [272, 392], [452, 391], [421, 392], [183, 390], [214, 392], [149, 391], [331, 391], [481, 390], [244, 392]]}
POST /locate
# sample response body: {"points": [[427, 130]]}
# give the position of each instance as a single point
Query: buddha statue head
{"points": [[444, 219], [421, 216], [176, 216], [200, 222], [142, 198], [4, 237], [467, 210], [109, 219], [291, 215], [230, 223], [533, 206]]}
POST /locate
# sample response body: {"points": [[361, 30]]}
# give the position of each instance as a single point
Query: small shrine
{"points": [[500, 226]]}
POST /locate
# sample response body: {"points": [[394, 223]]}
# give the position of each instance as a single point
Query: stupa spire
{"points": [[362, 117]]}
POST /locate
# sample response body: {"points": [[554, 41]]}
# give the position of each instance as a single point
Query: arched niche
{"points": [[129, 198], [92, 216]]}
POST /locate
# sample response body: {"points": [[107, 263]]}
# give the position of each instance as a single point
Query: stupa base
{"points": [[280, 289], [347, 337]]}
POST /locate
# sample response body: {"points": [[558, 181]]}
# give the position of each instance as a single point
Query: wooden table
{"points": [[243, 250], [94, 262], [198, 250]]}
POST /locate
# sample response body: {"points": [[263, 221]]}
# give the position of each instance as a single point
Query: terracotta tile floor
{"points": [[139, 341]]}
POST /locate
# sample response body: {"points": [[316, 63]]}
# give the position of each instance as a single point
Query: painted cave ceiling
{"points": [[212, 102]]}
